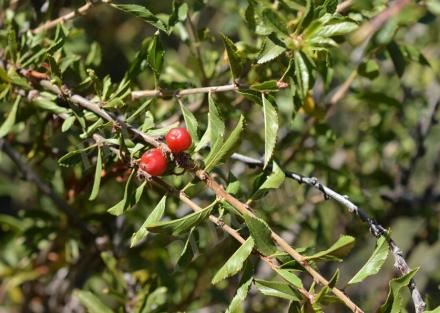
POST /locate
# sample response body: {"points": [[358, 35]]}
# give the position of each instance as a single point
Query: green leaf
{"points": [[122, 205], [190, 122], [269, 52], [374, 263], [74, 157], [227, 148], [187, 253], [270, 129], [156, 56], [434, 7], [91, 302], [155, 299], [10, 120], [234, 59], [275, 179], [67, 124], [302, 74], [275, 21], [139, 192], [337, 29], [154, 217], [277, 289], [97, 180], [262, 235], [337, 251], [181, 225], [215, 128], [235, 263], [393, 304], [240, 296], [397, 57], [269, 85], [142, 13], [369, 69], [290, 277]]}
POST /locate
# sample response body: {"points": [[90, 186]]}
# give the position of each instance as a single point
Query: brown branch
{"points": [[69, 16], [376, 229]]}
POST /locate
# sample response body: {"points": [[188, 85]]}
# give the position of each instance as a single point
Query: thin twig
{"points": [[69, 16], [375, 228], [191, 91]]}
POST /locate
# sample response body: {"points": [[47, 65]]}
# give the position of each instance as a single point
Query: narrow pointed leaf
{"points": [[123, 205], [143, 13], [181, 225], [240, 296], [277, 289], [374, 263], [338, 250], [10, 120], [190, 122], [234, 59], [154, 217], [235, 263], [97, 180], [227, 148], [290, 277], [270, 129]]}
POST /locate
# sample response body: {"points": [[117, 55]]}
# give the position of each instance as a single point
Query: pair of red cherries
{"points": [[154, 161]]}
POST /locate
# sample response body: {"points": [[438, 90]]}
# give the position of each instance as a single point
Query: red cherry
{"points": [[153, 162], [178, 139]]}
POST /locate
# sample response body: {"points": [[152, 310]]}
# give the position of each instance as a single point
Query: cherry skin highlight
{"points": [[153, 162], [178, 139]]}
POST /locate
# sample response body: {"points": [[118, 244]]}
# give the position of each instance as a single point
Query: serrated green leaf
{"points": [[97, 180], [336, 28], [123, 205], [143, 13], [216, 127], [302, 73], [393, 304], [10, 120], [277, 289], [270, 51], [262, 235], [91, 302], [235, 263], [336, 252], [154, 217], [234, 59], [290, 277], [156, 56], [190, 122], [275, 21], [227, 148], [181, 225], [374, 263], [275, 179], [270, 129]]}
